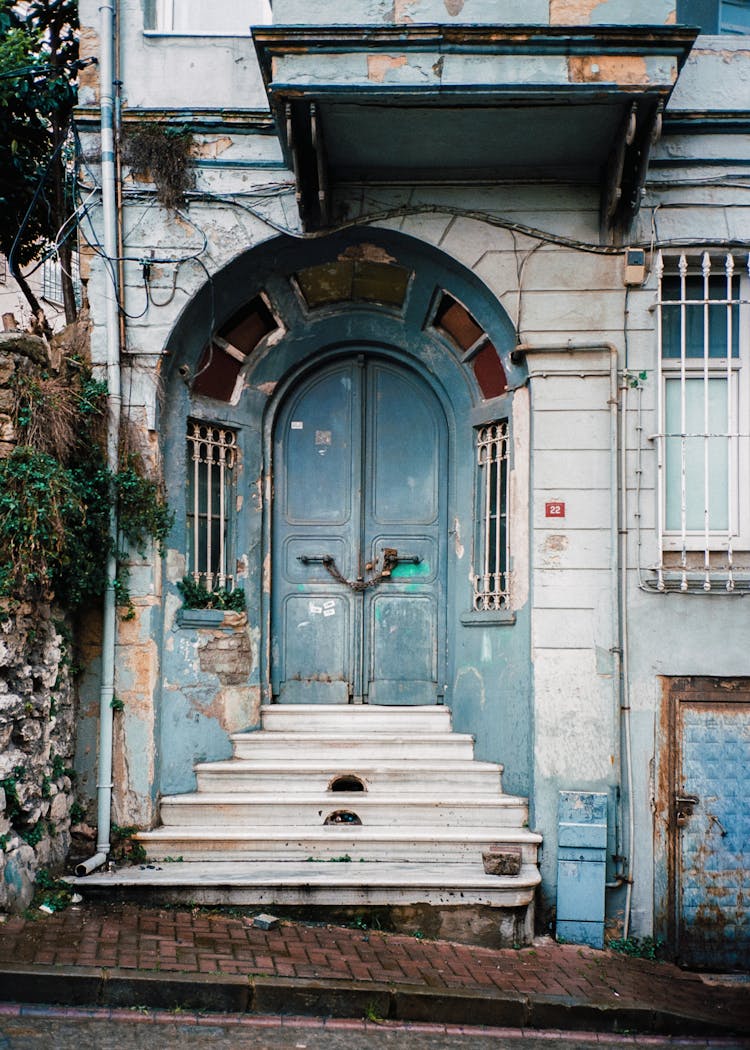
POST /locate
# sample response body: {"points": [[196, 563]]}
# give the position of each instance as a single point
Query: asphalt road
{"points": [[143, 1031]]}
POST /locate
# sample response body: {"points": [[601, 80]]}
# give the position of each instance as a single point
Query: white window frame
{"points": [[718, 546], [212, 452], [259, 13]]}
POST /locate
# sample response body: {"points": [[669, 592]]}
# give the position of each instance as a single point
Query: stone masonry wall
{"points": [[37, 701]]}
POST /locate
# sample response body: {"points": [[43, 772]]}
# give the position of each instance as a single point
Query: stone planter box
{"points": [[200, 617]]}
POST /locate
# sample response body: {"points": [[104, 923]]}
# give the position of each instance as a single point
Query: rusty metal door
{"points": [[359, 539], [711, 823]]}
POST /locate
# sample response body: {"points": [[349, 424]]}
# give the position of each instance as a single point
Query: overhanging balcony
{"points": [[475, 103]]}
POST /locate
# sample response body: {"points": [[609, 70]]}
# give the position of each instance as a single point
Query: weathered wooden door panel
{"points": [[360, 476], [317, 499], [712, 827], [405, 458]]}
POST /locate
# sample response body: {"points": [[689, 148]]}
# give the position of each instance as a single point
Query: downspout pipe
{"points": [[618, 571], [114, 407]]}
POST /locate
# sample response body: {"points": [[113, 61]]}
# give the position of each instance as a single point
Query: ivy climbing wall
{"points": [[37, 699]]}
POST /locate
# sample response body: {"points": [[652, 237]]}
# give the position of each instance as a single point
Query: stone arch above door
{"points": [[288, 308]]}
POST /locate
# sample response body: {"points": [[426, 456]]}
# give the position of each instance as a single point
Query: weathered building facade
{"points": [[443, 350]]}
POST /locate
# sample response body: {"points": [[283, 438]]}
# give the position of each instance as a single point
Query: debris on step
{"points": [[265, 922], [502, 860]]}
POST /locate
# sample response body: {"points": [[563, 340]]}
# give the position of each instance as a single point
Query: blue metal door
{"points": [[712, 820], [359, 539]]}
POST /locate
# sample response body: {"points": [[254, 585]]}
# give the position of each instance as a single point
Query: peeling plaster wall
{"points": [[507, 12], [558, 724]]}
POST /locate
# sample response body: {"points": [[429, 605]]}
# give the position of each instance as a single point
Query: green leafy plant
{"points": [[13, 810], [51, 892], [195, 595], [636, 947], [34, 834], [77, 813], [124, 846], [57, 494]]}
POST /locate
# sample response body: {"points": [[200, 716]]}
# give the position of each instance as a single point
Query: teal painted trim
{"points": [[239, 121], [699, 162], [240, 165], [500, 617], [493, 39], [708, 122], [553, 93]]}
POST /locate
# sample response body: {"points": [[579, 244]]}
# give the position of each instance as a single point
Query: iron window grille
{"points": [[492, 580], [52, 280], [703, 461], [212, 455]]}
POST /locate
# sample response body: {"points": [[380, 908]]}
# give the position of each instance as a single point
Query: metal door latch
{"points": [[684, 808]]}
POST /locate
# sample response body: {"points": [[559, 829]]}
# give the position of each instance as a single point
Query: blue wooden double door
{"points": [[359, 537]]}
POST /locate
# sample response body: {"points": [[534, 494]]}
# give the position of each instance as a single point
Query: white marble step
{"points": [[352, 749], [355, 718], [240, 808], [311, 883], [302, 775], [362, 844]]}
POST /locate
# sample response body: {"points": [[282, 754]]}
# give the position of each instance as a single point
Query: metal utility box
{"points": [[581, 866]]}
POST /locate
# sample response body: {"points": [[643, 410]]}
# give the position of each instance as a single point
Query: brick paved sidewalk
{"points": [[196, 946]]}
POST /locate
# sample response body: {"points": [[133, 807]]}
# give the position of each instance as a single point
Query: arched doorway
{"points": [[359, 537], [428, 348]]}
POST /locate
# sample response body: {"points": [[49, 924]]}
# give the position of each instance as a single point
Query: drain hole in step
{"points": [[342, 816], [346, 782]]}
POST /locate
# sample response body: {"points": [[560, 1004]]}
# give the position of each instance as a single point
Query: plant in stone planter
{"points": [[195, 595]]}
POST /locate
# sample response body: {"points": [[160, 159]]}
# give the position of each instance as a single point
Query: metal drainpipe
{"points": [[114, 404], [618, 569]]}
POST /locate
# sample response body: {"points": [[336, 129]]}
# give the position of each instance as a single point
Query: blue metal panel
{"points": [[581, 866], [580, 891], [713, 919]]}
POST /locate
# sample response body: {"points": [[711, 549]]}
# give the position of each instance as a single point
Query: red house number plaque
{"points": [[554, 510]]}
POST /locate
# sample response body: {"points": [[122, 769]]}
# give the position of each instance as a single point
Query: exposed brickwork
{"points": [[228, 655]]}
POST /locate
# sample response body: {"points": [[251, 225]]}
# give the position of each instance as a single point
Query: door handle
{"points": [[315, 559], [391, 558]]}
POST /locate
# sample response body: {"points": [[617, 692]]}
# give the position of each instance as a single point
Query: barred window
{"points": [[52, 280], [703, 468], [491, 580], [212, 453]]}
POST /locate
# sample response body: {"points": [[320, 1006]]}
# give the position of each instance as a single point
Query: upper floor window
{"points": [[209, 17], [716, 16], [704, 418]]}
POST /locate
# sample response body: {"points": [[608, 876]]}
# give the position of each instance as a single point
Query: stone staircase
{"points": [[348, 807]]}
